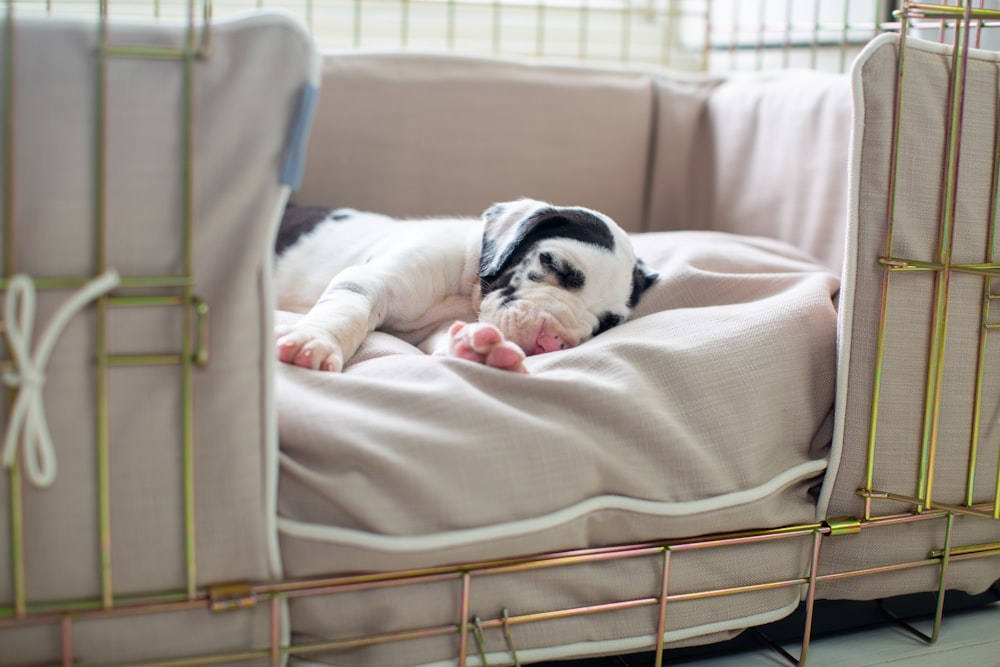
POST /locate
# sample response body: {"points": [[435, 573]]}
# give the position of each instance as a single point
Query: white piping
{"points": [[513, 529]]}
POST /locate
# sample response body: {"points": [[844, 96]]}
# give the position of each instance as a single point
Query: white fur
{"points": [[369, 272]]}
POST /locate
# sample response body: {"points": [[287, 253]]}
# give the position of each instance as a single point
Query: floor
{"points": [[969, 636], [966, 638]]}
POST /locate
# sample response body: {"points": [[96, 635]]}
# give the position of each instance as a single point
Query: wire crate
{"points": [[885, 383], [695, 35]]}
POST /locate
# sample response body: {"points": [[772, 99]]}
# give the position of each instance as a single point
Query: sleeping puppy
{"points": [[537, 277]]}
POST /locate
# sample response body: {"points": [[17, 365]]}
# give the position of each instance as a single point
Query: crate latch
{"points": [[843, 525], [227, 597]]}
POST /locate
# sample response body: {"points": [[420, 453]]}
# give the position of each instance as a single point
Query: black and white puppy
{"points": [[539, 278]]}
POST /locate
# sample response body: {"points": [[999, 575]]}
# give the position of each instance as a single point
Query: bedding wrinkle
{"points": [[690, 418], [791, 136]]}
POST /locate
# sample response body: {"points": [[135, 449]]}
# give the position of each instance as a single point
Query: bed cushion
{"points": [[245, 94], [442, 134], [900, 423], [761, 153], [710, 412]]}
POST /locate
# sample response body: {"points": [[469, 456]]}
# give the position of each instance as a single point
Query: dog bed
{"points": [[708, 412]]}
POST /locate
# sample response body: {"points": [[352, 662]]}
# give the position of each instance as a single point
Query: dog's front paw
{"points": [[485, 344], [308, 347]]}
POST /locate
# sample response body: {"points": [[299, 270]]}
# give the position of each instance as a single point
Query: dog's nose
{"points": [[550, 343]]}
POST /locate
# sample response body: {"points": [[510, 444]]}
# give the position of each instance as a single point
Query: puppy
{"points": [[536, 277]]}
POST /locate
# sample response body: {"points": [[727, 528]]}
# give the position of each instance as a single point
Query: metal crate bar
{"points": [[617, 31], [194, 335], [943, 268], [680, 34], [939, 321], [180, 293], [810, 28], [17, 573], [246, 597]]}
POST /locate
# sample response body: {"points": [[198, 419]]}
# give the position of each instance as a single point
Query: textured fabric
{"points": [[412, 135], [779, 149], [708, 413], [900, 426], [560, 587], [762, 154], [245, 95]]}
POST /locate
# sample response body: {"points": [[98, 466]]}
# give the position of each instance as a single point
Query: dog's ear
{"points": [[642, 278], [505, 227], [513, 227]]}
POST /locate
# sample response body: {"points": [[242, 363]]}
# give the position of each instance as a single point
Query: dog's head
{"points": [[553, 277]]}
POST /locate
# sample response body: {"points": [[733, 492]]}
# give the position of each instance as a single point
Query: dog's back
{"points": [[315, 244]]}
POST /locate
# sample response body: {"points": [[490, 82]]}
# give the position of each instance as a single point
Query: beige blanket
{"points": [[708, 412]]}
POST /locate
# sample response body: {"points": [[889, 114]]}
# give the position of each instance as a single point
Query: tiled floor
{"points": [[967, 638]]}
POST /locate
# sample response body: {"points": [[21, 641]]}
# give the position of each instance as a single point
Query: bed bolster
{"points": [[905, 458], [763, 154], [165, 439], [419, 135]]}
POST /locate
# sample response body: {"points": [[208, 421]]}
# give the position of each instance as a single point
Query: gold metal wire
{"points": [[101, 320], [194, 339], [15, 490], [939, 321], [509, 638], [468, 574], [9, 88], [961, 19], [882, 333], [661, 616], [179, 292], [980, 382]]}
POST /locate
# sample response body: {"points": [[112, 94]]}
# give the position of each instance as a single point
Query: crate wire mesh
{"points": [[729, 39], [691, 35], [964, 28], [27, 437]]}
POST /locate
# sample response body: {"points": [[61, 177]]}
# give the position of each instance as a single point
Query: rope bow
{"points": [[27, 422]]}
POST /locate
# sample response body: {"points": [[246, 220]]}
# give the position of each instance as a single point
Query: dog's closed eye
{"points": [[568, 275], [607, 321]]}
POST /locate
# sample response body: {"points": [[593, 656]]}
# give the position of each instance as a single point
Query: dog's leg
{"points": [[484, 344], [363, 298], [334, 328]]}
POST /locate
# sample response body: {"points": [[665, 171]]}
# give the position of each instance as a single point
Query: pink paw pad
{"points": [[302, 349], [485, 344]]}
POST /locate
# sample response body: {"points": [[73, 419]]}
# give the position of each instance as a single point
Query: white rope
{"points": [[27, 418]]}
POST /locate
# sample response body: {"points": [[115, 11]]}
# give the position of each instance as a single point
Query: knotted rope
{"points": [[27, 423]]}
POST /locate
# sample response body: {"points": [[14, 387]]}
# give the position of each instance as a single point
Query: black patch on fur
{"points": [[572, 224], [502, 281], [543, 224], [510, 295], [297, 221], [569, 276], [489, 251], [642, 278], [331, 292], [348, 286], [607, 321]]}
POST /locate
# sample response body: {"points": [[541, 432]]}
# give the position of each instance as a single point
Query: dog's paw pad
{"points": [[308, 349], [485, 344]]}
